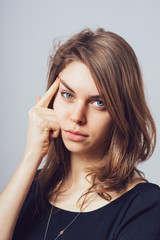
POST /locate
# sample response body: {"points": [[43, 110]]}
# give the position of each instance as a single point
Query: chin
{"points": [[75, 147]]}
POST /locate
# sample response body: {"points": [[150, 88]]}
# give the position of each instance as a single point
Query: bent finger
{"points": [[54, 134]]}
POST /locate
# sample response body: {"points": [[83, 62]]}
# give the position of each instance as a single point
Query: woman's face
{"points": [[84, 120]]}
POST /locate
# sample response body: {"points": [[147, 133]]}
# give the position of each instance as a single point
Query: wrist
{"points": [[32, 158]]}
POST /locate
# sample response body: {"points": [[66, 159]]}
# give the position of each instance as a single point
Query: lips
{"points": [[77, 133], [75, 136]]}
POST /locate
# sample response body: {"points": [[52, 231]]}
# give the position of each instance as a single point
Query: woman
{"points": [[95, 127]]}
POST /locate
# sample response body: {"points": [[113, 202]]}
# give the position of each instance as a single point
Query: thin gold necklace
{"points": [[63, 230]]}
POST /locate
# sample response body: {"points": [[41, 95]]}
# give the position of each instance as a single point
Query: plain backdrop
{"points": [[27, 31]]}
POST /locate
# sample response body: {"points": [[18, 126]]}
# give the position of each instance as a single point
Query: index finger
{"points": [[45, 100]]}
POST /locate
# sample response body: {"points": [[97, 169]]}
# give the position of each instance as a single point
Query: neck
{"points": [[79, 163]]}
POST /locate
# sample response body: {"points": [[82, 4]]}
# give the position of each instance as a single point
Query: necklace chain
{"points": [[63, 230]]}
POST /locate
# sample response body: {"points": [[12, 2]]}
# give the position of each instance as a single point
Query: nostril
{"points": [[79, 120], [78, 114]]}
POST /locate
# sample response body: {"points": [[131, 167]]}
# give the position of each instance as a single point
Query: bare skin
{"points": [[41, 121], [79, 112], [72, 191], [76, 109]]}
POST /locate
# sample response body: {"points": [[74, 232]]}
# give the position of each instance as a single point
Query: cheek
{"points": [[103, 126]]}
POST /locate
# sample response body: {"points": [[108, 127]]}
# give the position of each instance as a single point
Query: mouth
{"points": [[75, 136]]}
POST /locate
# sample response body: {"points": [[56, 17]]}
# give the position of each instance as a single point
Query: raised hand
{"points": [[43, 124], [41, 121]]}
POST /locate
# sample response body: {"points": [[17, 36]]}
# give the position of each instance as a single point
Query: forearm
{"points": [[42, 121], [13, 196]]}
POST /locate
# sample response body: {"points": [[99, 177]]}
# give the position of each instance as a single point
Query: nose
{"points": [[78, 114]]}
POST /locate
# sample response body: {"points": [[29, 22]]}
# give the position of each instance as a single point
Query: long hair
{"points": [[116, 72]]}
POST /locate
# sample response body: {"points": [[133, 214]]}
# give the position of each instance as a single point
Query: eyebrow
{"points": [[68, 87]]}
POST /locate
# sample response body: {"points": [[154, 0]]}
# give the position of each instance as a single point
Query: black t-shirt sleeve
{"points": [[142, 219]]}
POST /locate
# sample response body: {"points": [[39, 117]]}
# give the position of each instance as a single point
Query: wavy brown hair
{"points": [[116, 72]]}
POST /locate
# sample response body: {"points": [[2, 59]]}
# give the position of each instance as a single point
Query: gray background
{"points": [[27, 30]]}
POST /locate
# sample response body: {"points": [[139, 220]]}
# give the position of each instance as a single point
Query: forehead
{"points": [[78, 77]]}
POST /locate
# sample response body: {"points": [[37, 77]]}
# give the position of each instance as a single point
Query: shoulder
{"points": [[144, 196], [141, 194], [27, 211], [141, 219], [146, 193], [29, 203]]}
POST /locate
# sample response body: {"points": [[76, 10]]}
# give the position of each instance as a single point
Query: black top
{"points": [[133, 216]]}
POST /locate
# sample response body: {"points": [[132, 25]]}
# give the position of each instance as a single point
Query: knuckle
{"points": [[36, 117], [41, 122], [31, 112], [43, 119], [56, 133]]}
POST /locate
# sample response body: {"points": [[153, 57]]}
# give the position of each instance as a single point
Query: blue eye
{"points": [[66, 95], [98, 103]]}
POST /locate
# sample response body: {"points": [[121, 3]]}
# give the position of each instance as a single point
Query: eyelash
{"points": [[99, 101], [66, 93], [68, 96]]}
